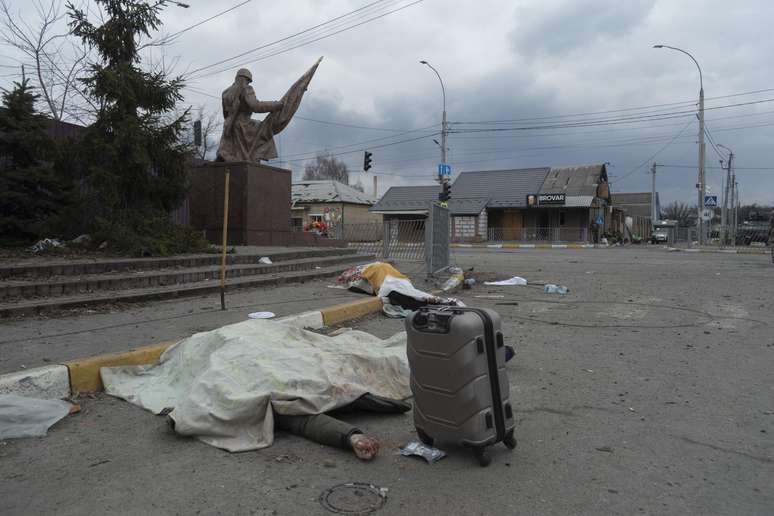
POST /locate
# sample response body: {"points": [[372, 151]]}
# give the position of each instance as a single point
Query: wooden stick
{"points": [[225, 239]]}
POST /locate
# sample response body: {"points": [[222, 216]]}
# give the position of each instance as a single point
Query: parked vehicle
{"points": [[659, 236]]}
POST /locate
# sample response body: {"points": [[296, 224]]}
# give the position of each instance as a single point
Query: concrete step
{"points": [[87, 284], [100, 266], [26, 308]]}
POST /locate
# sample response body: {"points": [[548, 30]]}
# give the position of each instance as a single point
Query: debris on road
{"points": [[45, 245], [353, 498], [490, 296], [550, 288], [261, 315], [429, 453], [606, 449], [393, 287], [395, 311], [455, 280], [30, 417], [265, 260], [514, 281]]}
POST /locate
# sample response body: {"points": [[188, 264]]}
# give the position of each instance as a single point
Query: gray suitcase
{"points": [[458, 378]]}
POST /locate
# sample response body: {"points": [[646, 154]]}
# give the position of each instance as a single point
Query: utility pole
{"points": [[444, 128], [701, 185], [653, 214], [725, 218]]}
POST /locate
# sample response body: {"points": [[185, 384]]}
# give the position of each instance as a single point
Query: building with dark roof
{"points": [[546, 203], [636, 204], [331, 202]]}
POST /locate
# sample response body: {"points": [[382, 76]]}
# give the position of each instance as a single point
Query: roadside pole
{"points": [[225, 239], [653, 214]]}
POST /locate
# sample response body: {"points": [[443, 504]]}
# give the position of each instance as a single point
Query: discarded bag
{"points": [[429, 453], [516, 280], [265, 260], [29, 417], [550, 288]]}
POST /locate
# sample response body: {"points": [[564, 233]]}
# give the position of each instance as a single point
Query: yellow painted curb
{"points": [[346, 311], [84, 373]]}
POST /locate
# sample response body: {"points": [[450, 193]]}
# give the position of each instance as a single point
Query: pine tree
{"points": [[30, 192], [132, 158]]}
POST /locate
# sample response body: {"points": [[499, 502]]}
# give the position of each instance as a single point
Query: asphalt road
{"points": [[646, 390]]}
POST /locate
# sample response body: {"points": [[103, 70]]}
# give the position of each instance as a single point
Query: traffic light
{"points": [[366, 161], [445, 193]]}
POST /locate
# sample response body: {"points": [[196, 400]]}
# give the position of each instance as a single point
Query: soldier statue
{"points": [[244, 139]]}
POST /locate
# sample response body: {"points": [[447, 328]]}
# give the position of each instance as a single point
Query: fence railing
{"points": [[393, 239], [538, 234], [720, 236]]}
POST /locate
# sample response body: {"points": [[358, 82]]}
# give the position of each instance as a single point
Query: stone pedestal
{"points": [[259, 205]]}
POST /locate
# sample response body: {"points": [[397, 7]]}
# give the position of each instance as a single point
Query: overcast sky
{"points": [[501, 61]]}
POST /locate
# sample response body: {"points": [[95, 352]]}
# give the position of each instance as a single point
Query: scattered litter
{"points": [[265, 260], [454, 281], [631, 409], [589, 370], [45, 245], [428, 453], [81, 240], [606, 449], [103, 245], [261, 315], [353, 498], [468, 283], [550, 288], [508, 303], [30, 417], [490, 296], [514, 281], [395, 311]]}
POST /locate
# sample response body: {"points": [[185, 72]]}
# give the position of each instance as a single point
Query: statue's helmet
{"points": [[244, 72]]}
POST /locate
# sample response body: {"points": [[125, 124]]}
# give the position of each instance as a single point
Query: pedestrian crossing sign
{"points": [[710, 201]]}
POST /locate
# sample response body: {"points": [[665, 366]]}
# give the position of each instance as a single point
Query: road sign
{"points": [[444, 169], [706, 214], [710, 201], [600, 220]]}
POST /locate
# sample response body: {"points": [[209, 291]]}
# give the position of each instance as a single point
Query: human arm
{"points": [[258, 106]]}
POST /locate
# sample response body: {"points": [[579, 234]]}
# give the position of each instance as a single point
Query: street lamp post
{"points": [[443, 120], [724, 218], [701, 185]]}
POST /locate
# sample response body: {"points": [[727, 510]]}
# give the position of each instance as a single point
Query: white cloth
{"points": [[516, 280], [223, 383], [29, 417]]}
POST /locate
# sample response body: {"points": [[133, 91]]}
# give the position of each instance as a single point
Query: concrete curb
{"points": [[82, 375], [47, 382], [755, 251]]}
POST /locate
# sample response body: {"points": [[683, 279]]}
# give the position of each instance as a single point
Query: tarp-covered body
{"points": [[223, 384]]}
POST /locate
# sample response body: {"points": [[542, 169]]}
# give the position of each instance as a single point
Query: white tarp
{"points": [[29, 417], [223, 383]]}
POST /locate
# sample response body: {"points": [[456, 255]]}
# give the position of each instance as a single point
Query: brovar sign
{"points": [[551, 198]]}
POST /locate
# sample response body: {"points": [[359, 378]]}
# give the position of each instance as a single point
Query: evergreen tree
{"points": [[30, 192], [133, 161]]}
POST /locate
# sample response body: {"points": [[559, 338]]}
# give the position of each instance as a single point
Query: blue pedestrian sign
{"points": [[444, 169], [600, 220], [710, 201]]}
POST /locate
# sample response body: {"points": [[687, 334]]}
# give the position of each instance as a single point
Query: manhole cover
{"points": [[354, 498]]}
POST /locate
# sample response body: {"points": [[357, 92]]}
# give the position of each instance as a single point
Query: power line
{"points": [[311, 38], [169, 38], [620, 110]]}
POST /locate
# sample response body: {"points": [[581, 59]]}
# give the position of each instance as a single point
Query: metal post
{"points": [[702, 185], [376, 190], [224, 241], [443, 122], [653, 214]]}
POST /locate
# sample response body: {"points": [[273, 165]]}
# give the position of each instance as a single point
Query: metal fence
{"points": [[390, 240], [437, 239], [725, 237], [538, 234]]}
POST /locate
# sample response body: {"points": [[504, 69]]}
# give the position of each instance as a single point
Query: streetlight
{"points": [[724, 211], [443, 119], [701, 185]]}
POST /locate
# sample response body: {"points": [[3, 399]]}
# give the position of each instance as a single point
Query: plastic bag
{"points": [[428, 453], [29, 417], [456, 279], [550, 288]]}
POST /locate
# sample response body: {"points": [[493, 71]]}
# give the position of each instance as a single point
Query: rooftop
{"points": [[327, 191]]}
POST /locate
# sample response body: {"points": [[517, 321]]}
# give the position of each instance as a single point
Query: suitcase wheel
{"points": [[481, 456], [426, 439], [510, 440]]}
